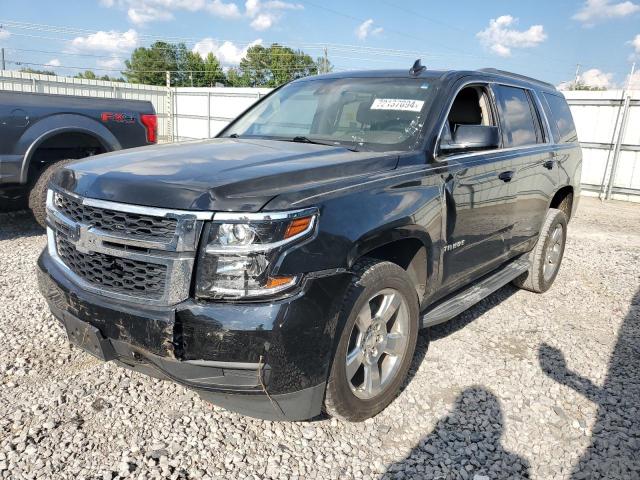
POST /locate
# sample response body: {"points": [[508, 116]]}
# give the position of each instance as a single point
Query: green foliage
{"points": [[148, 65], [41, 72], [90, 75], [261, 67], [213, 71], [199, 72], [584, 86], [272, 66]]}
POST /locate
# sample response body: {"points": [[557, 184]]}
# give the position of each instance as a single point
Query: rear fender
{"points": [[48, 127]]}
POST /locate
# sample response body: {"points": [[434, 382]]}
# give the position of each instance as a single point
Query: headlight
{"points": [[240, 250]]}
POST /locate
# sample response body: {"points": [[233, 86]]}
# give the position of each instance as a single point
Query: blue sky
{"points": [[545, 39]]}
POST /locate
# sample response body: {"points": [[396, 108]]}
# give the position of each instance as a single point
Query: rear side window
{"points": [[519, 124], [561, 118]]}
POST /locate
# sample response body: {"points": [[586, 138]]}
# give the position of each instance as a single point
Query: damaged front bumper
{"points": [[267, 360]]}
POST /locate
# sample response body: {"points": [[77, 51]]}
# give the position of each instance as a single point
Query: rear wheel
{"points": [[546, 257], [377, 343], [38, 193]]}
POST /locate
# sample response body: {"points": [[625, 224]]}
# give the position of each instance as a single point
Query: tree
{"points": [[148, 65], [274, 65], [90, 75], [213, 71], [41, 72], [324, 65], [235, 78], [584, 86]]}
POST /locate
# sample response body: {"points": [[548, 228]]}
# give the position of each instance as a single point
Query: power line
{"points": [[362, 53], [275, 69], [320, 47]]}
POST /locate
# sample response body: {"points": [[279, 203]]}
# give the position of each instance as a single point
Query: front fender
{"points": [[48, 127], [364, 219]]}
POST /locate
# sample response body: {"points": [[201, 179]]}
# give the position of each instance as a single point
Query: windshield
{"points": [[380, 114]]}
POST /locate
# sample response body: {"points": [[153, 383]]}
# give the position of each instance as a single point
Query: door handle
{"points": [[506, 176], [548, 164]]}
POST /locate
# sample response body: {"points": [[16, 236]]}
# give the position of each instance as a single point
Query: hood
{"points": [[220, 174]]}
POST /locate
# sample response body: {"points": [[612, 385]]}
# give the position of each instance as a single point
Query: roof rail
{"points": [[517, 76]]}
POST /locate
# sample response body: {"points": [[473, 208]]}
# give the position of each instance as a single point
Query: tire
{"points": [[38, 193], [378, 287], [546, 257]]}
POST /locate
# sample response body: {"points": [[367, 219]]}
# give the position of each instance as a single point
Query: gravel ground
{"points": [[522, 385]]}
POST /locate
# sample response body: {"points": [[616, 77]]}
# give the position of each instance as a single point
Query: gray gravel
{"points": [[522, 385]]}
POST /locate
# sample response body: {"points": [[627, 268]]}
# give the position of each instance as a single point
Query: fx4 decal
{"points": [[117, 117]]}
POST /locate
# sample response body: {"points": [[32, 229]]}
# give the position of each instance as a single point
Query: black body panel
{"points": [[453, 220]]}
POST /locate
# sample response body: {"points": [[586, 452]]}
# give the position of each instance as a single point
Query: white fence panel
{"points": [[203, 112], [598, 117]]}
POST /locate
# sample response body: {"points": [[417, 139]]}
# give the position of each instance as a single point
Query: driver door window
{"points": [[472, 106]]}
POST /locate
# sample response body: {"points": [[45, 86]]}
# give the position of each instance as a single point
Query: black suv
{"points": [[285, 267]]}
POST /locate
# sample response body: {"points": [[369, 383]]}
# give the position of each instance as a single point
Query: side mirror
{"points": [[471, 137]]}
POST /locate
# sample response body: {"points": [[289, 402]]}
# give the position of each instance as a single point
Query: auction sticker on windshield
{"points": [[397, 104]]}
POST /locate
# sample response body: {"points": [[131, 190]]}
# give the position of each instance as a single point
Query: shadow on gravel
{"points": [[464, 445], [470, 315], [19, 224], [615, 439]]}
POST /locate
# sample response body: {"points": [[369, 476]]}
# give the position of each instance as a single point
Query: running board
{"points": [[468, 297]]}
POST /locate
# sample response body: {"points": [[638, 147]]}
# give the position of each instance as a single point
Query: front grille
{"points": [[143, 227], [122, 275]]}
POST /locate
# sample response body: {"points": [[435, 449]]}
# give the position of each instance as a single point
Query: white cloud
{"points": [[597, 78], [111, 41], [224, 10], [366, 29], [633, 81], [264, 15], [227, 52], [500, 36], [146, 13], [263, 21], [596, 10], [635, 43], [593, 77], [4, 34], [54, 62], [113, 63]]}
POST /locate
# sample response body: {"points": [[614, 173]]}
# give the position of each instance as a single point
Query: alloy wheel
{"points": [[377, 344]]}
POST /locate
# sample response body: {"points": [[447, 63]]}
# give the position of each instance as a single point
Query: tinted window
{"points": [[561, 118], [516, 117]]}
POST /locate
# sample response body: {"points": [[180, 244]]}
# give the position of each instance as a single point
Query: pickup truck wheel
{"points": [[38, 193], [546, 257], [377, 342]]}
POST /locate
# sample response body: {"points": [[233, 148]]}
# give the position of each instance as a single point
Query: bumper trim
{"points": [[301, 405]]}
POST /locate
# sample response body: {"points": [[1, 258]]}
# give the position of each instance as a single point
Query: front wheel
{"points": [[38, 193], [377, 343]]}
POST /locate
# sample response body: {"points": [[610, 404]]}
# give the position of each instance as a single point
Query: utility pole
{"points": [[325, 62], [169, 107], [623, 128], [577, 79], [4, 67]]}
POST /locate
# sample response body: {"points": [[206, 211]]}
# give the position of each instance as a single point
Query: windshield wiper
{"points": [[303, 139], [234, 135]]}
